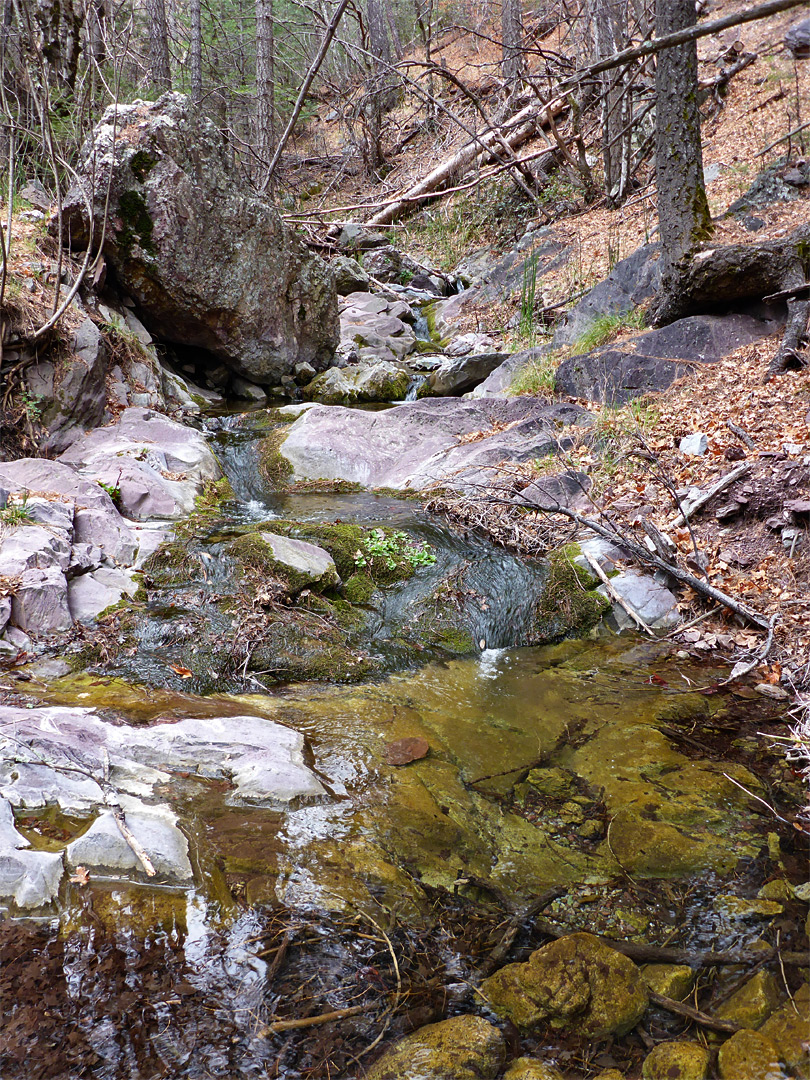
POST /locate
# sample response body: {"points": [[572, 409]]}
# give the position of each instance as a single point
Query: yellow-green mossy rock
{"points": [[576, 982], [526, 1068], [753, 1003], [789, 1030], [677, 1061], [610, 1074], [749, 1055], [670, 980], [464, 1048]]}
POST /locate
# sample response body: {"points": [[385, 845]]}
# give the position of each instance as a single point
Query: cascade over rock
{"points": [[208, 264]]}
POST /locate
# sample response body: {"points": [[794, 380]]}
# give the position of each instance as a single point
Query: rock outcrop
{"points": [[207, 264]]}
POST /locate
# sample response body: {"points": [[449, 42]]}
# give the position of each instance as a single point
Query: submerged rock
{"points": [[463, 1048], [575, 983], [209, 265], [749, 1055], [677, 1061]]}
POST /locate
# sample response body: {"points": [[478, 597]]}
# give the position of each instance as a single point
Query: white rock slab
{"points": [[103, 849]]}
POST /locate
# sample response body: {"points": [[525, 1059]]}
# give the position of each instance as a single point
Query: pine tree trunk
{"points": [[683, 210], [513, 64], [196, 51], [265, 82], [160, 75]]}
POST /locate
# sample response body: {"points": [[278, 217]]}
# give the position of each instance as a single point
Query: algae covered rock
{"points": [[677, 1061], [381, 381], [671, 980], [300, 564], [753, 1003], [789, 1029], [577, 983], [530, 1069], [463, 1048], [749, 1055]]}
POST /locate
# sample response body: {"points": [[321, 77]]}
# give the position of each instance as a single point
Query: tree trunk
{"points": [[265, 82], [513, 63], [683, 210], [609, 22], [378, 87], [196, 51], [160, 75]]}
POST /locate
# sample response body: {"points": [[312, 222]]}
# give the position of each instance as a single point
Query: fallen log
{"points": [[512, 133]]}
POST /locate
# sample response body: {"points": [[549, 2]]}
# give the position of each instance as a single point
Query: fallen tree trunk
{"points": [[513, 133]]}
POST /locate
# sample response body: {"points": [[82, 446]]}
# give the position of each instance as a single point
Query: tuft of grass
{"points": [[536, 379], [606, 327]]}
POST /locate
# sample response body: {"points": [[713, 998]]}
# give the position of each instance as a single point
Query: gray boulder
{"points": [[30, 879], [656, 605], [72, 392], [418, 444], [349, 275], [104, 850], [652, 361], [157, 466], [462, 373], [380, 381], [40, 602], [304, 563], [502, 377], [209, 265], [91, 593]]}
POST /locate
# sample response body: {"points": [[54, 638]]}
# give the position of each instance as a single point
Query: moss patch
{"points": [[274, 467], [141, 164], [137, 223], [569, 605]]}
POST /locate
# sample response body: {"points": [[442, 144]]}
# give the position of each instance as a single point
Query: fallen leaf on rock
{"points": [[80, 876], [183, 672], [404, 751]]}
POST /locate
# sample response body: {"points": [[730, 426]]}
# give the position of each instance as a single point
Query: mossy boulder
{"points": [[569, 603], [575, 983], [749, 1055], [788, 1029], [299, 564], [753, 1003], [382, 381], [671, 980], [677, 1061], [463, 1048]]}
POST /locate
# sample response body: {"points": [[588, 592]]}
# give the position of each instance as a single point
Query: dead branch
{"points": [[615, 596], [702, 1018], [311, 1021], [716, 488]]}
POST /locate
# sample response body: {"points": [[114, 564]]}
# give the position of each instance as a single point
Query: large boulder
{"points": [[208, 264], [652, 361], [419, 444]]}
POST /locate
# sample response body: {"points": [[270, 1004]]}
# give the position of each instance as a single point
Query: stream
{"points": [[608, 769]]}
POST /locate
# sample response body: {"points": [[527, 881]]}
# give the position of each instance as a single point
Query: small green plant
{"points": [[113, 490], [406, 277], [537, 377], [32, 405], [16, 513], [527, 297], [605, 327], [393, 549]]}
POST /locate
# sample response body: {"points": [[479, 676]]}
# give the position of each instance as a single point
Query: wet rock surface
{"points": [[677, 1061], [576, 982], [177, 219], [464, 1048], [423, 443]]}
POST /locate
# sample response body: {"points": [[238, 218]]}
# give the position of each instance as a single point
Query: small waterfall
{"points": [[414, 386]]}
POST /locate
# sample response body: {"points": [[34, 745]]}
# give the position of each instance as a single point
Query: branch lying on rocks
{"points": [[643, 555], [617, 597], [709, 493], [702, 1018]]}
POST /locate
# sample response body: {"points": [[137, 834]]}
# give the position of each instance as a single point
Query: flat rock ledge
{"points": [[55, 757]]}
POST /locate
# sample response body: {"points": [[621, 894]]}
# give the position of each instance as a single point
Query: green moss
{"points": [[569, 604], [358, 589], [169, 565], [214, 494], [455, 640], [141, 163], [137, 223], [274, 467]]}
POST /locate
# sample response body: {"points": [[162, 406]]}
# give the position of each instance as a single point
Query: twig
{"points": [[767, 806], [311, 1021], [718, 486], [693, 622], [620, 600], [699, 1017]]}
